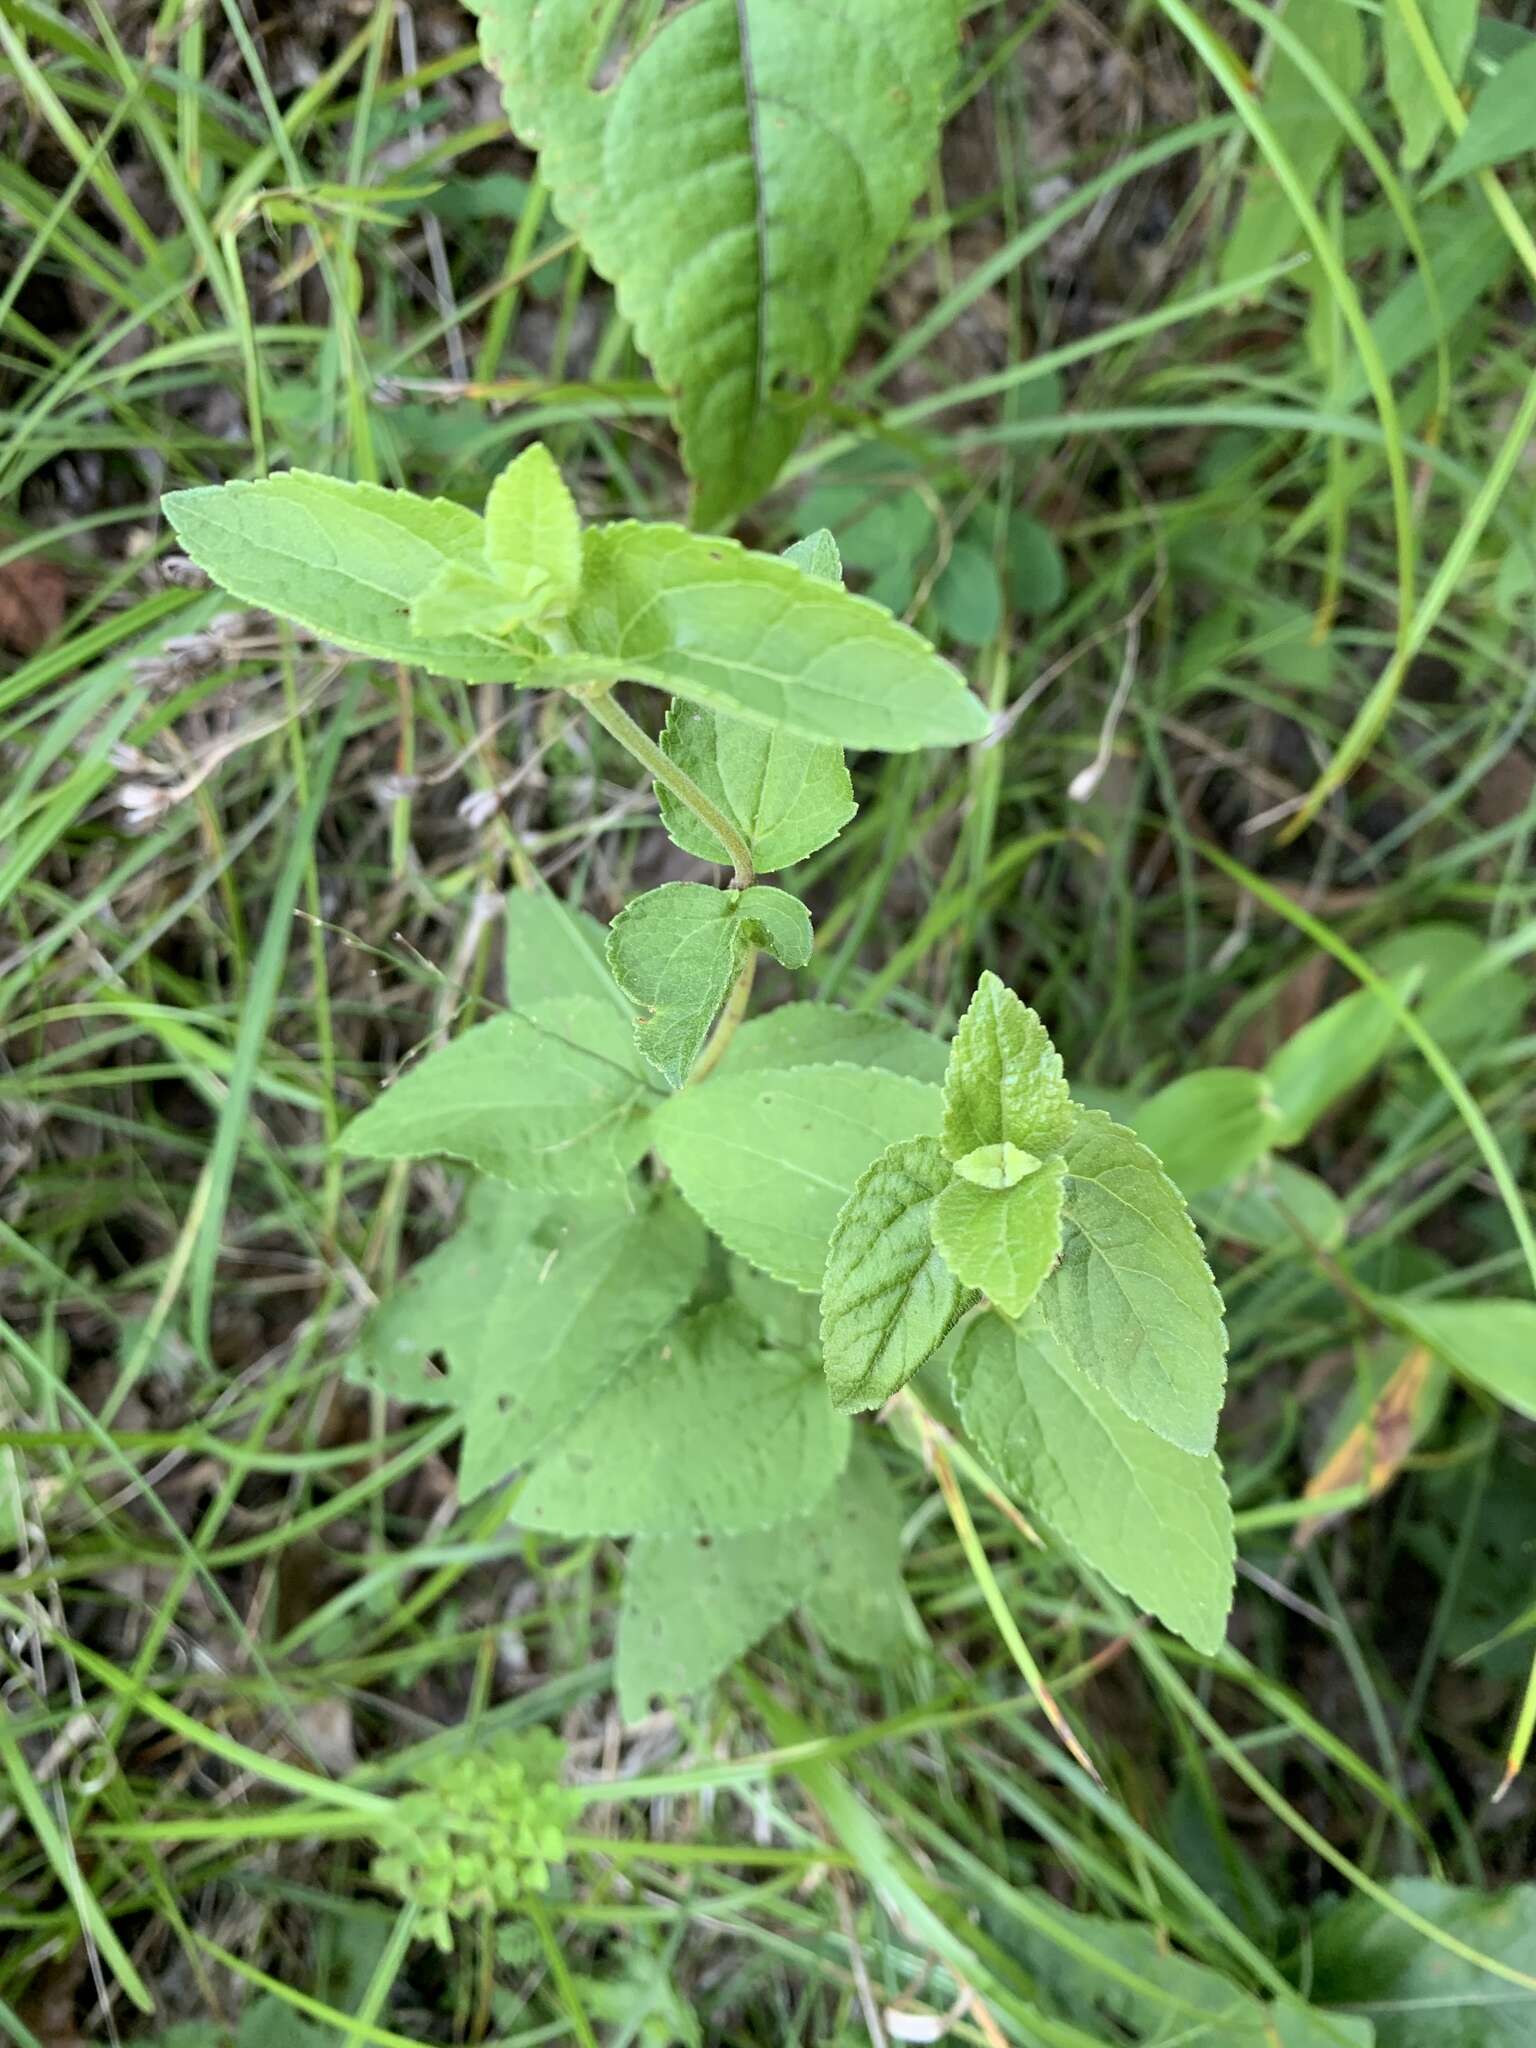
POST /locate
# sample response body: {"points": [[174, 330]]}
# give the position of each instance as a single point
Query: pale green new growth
{"points": [[1002, 1241], [464, 599], [740, 185], [1132, 1299], [676, 951], [888, 1299], [996, 1166], [1153, 1519], [1004, 1084], [703, 1433], [533, 533], [769, 1157]]}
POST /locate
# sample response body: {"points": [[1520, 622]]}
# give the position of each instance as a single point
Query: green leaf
{"points": [[754, 635], [1421, 1995], [1208, 1127], [694, 1604], [552, 1098], [676, 950], [462, 598], [1132, 1300], [533, 532], [739, 186], [1037, 576], [1452, 25], [1154, 1520], [768, 1158], [1490, 1343], [703, 1435], [345, 560], [1270, 1206], [1330, 1055], [1499, 124], [786, 795], [888, 1300], [1002, 1241], [1004, 1084], [817, 1034], [534, 1308], [1305, 126], [967, 598], [555, 949], [996, 1166]]}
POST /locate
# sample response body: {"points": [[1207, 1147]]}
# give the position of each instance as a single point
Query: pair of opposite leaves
{"points": [[1018, 1179]]}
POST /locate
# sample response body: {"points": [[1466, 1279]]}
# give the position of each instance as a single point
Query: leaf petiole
{"points": [[599, 700]]}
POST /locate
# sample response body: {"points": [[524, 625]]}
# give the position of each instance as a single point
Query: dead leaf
{"points": [[34, 596], [1371, 1452]]}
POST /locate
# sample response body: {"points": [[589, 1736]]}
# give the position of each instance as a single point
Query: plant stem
{"points": [[635, 740], [725, 1024]]}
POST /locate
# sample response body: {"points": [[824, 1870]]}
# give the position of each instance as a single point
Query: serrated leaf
{"points": [[1132, 1300], [1329, 1056], [1208, 1127], [693, 1605], [345, 560], [818, 1034], [552, 1098], [533, 532], [739, 186], [1452, 25], [555, 949], [1490, 1343], [1153, 1519], [751, 634], [1002, 1241], [676, 950], [1004, 1084], [704, 1434], [463, 598], [768, 1158], [786, 795], [888, 1299], [996, 1166]]}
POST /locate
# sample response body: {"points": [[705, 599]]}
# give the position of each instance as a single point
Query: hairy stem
{"points": [[725, 1024], [635, 740]]}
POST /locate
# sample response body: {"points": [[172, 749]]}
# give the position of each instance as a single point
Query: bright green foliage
{"points": [[1490, 1343], [693, 1605], [1152, 1518], [754, 635], [703, 1434], [533, 533], [740, 187], [1004, 1084], [1452, 25], [463, 599], [1331, 1054], [819, 1034], [1306, 127], [676, 951], [888, 1299], [1363, 1954], [1499, 124], [1003, 1241], [996, 1166], [1208, 1127], [552, 1098], [769, 1157], [1132, 1301], [786, 795], [479, 1833], [346, 560], [555, 950]]}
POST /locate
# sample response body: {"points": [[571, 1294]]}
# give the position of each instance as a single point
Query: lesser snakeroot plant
{"points": [[696, 1241]]}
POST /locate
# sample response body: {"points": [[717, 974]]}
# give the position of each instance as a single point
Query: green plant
{"points": [[643, 1342]]}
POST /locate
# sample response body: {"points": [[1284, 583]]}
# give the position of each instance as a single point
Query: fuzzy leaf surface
{"points": [[345, 560], [552, 1098], [1003, 1241], [739, 186], [675, 952], [996, 1166], [751, 634], [702, 1434], [768, 1158], [817, 1034], [888, 1299], [533, 532], [462, 598], [1132, 1300], [1004, 1084], [1153, 1519]]}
